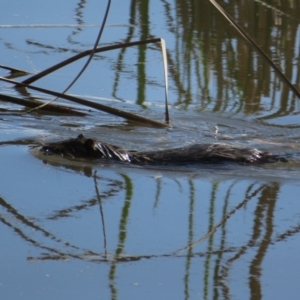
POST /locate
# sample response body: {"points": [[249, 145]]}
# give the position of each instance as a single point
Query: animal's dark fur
{"points": [[86, 148]]}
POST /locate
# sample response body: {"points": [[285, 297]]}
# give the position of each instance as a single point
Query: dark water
{"points": [[109, 231]]}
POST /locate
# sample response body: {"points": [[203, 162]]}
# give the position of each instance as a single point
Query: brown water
{"points": [[109, 231]]}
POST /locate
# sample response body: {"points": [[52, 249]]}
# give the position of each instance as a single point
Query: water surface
{"points": [[110, 231]]}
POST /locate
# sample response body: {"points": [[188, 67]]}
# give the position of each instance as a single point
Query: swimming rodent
{"points": [[91, 149]]}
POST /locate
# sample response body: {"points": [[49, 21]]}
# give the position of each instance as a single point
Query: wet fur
{"points": [[87, 148]]}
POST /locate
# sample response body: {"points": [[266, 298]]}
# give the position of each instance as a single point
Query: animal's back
{"points": [[86, 148]]}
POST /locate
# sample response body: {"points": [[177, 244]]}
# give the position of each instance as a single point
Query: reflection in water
{"points": [[211, 45], [264, 214], [122, 235], [219, 258], [205, 53], [263, 222], [222, 226], [101, 213], [210, 65], [144, 19], [27, 224], [208, 260], [137, 9], [80, 21], [190, 239]]}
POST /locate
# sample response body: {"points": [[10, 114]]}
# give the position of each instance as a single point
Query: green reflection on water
{"points": [[122, 234], [212, 67]]}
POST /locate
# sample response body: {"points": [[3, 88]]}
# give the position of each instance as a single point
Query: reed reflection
{"points": [[208, 50], [217, 258]]}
